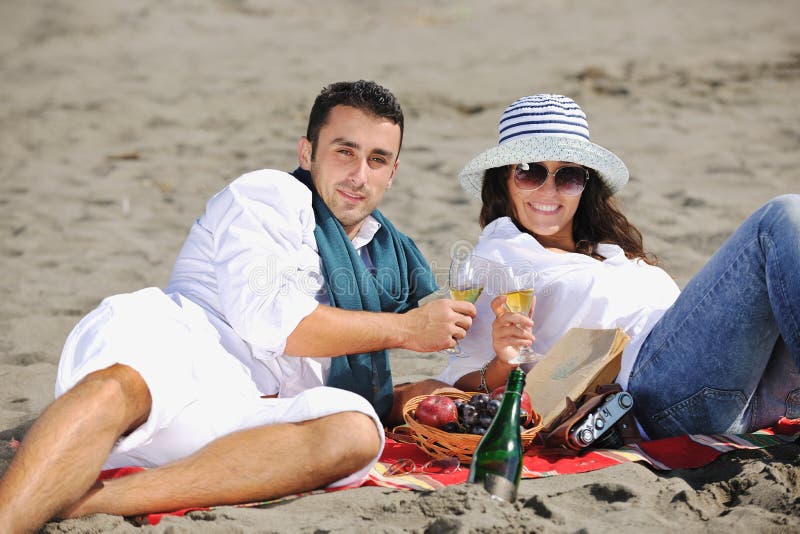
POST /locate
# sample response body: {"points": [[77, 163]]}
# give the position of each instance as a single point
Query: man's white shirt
{"points": [[251, 262]]}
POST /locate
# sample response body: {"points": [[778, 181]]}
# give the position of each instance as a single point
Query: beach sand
{"points": [[119, 120]]}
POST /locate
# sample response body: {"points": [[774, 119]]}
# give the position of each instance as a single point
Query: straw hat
{"points": [[544, 127]]}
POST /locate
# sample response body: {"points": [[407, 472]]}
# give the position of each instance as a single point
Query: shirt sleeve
{"points": [[264, 257]]}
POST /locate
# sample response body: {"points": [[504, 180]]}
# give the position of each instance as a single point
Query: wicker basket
{"points": [[439, 443]]}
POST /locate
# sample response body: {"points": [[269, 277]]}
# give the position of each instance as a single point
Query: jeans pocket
{"points": [[793, 404], [707, 411]]}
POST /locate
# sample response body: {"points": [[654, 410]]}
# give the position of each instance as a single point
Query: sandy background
{"points": [[118, 120]]}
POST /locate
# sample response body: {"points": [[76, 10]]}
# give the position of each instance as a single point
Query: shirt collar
{"points": [[366, 233], [504, 228]]}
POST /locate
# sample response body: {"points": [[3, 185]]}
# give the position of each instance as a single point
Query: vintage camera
{"points": [[597, 428]]}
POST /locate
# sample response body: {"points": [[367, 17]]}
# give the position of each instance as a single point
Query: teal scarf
{"points": [[402, 277]]}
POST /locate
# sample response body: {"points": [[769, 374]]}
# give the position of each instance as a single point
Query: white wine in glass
{"points": [[518, 288], [466, 283], [520, 301], [470, 295]]}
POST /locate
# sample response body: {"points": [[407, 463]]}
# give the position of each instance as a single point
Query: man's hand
{"points": [[437, 325], [510, 331]]}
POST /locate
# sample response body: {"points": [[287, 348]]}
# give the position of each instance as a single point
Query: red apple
{"points": [[437, 411], [524, 404]]}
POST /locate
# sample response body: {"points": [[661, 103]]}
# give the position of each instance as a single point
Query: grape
{"points": [[451, 427], [523, 416], [479, 400], [476, 415], [469, 415]]}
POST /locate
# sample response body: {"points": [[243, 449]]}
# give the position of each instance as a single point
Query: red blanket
{"points": [[663, 454]]}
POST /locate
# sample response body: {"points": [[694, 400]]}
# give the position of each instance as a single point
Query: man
{"points": [[220, 382]]}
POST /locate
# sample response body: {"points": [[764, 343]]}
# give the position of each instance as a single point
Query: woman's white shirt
{"points": [[572, 290]]}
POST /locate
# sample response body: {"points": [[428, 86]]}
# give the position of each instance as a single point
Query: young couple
{"points": [[271, 335]]}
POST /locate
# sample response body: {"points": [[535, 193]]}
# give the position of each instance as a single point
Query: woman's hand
{"points": [[510, 331]]}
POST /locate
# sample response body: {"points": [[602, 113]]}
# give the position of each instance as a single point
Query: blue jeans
{"points": [[725, 358]]}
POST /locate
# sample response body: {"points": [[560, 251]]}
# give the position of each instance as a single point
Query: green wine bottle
{"points": [[497, 461]]}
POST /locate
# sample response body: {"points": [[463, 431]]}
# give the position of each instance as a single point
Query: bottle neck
{"points": [[510, 407], [516, 381]]}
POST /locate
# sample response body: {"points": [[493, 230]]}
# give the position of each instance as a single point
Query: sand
{"points": [[118, 120]]}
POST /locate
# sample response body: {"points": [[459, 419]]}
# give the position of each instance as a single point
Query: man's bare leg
{"points": [[63, 452], [246, 466]]}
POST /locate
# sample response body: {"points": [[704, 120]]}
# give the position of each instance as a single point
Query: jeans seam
{"points": [[753, 409], [657, 352], [779, 285], [792, 398], [694, 402]]}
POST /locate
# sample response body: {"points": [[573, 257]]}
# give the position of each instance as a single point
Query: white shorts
{"points": [[199, 391]]}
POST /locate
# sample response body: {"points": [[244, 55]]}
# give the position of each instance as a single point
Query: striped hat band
{"points": [[543, 115]]}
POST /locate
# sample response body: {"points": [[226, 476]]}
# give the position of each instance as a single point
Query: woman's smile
{"points": [[544, 208]]}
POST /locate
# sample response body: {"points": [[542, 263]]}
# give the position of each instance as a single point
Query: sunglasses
{"points": [[437, 466], [570, 180]]}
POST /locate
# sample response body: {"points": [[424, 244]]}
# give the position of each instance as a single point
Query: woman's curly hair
{"points": [[597, 220]]}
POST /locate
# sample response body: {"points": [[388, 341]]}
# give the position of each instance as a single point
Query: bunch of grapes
{"points": [[475, 415]]}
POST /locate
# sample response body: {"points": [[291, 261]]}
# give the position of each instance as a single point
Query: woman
{"points": [[709, 359]]}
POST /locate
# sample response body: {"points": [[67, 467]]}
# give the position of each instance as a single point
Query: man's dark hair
{"points": [[365, 96]]}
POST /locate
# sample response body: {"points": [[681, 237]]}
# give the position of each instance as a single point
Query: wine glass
{"points": [[517, 284], [465, 282]]}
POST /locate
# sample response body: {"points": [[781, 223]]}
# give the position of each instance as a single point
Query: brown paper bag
{"points": [[578, 362]]}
